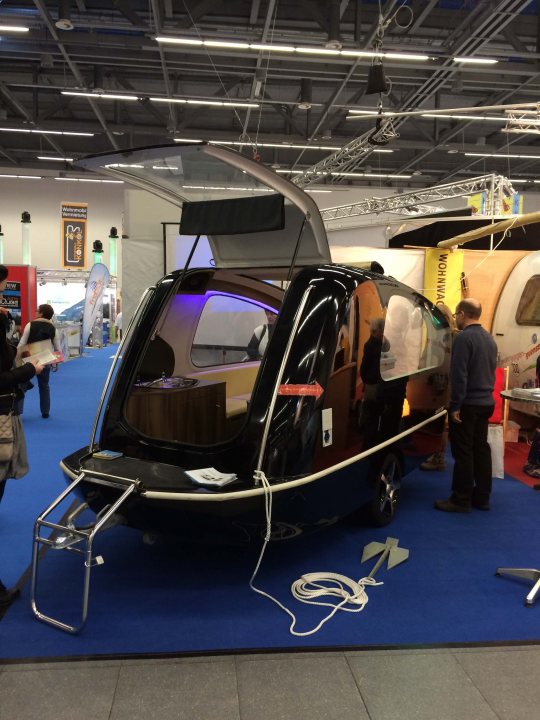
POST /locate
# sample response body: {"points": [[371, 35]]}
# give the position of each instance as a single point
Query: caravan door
{"points": [[516, 322]]}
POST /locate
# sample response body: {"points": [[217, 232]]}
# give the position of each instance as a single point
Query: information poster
{"points": [[19, 297], [74, 217]]}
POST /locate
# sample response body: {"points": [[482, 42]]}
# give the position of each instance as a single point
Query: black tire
{"points": [[386, 489]]}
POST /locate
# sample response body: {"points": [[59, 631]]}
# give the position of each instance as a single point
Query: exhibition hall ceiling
{"points": [[280, 80]]}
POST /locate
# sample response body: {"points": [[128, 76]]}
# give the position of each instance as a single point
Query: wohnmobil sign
{"points": [[73, 218]]}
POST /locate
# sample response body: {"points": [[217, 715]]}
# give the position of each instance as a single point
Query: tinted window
{"points": [[226, 327], [528, 312]]}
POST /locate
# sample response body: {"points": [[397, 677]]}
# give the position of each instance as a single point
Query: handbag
{"points": [[6, 432], [6, 438]]}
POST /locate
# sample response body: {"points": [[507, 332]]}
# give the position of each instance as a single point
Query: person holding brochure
{"points": [[39, 330], [15, 466]]}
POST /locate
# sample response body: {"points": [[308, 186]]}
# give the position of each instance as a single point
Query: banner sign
{"points": [[442, 276], [74, 217], [12, 296], [19, 297], [93, 302]]}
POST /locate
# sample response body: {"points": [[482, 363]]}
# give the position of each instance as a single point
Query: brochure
{"points": [[42, 352], [107, 454], [211, 477]]}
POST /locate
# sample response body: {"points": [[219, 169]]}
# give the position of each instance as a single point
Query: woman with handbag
{"points": [[13, 457]]}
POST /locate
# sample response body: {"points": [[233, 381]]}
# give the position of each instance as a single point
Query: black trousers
{"points": [[472, 454]]}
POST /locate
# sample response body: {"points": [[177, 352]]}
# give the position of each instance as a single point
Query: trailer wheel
{"points": [[386, 491]]}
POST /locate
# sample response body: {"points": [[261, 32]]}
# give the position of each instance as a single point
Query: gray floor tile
{"points": [[293, 686], [61, 665], [185, 660], [509, 681], [57, 694], [183, 691], [498, 649], [252, 657], [421, 686]]}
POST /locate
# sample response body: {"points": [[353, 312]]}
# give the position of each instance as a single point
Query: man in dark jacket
{"points": [[474, 359]]}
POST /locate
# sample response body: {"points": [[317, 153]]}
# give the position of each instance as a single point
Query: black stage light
{"points": [[113, 232], [25, 217], [377, 81], [97, 247]]}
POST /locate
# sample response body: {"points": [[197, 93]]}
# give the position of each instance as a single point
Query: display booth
{"points": [[20, 295], [65, 290]]}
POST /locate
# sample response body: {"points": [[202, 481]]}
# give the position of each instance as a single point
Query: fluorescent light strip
{"points": [[451, 116], [230, 189], [22, 177], [348, 174], [124, 165], [65, 179], [519, 131], [304, 50], [445, 116], [98, 96], [13, 28], [502, 157], [372, 175], [54, 159], [216, 103], [237, 143], [286, 146], [46, 132], [479, 61]]}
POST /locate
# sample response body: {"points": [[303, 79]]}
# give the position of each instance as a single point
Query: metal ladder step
{"points": [[69, 538]]}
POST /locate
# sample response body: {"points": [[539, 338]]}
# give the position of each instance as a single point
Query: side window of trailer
{"points": [[413, 342], [528, 312], [230, 330]]}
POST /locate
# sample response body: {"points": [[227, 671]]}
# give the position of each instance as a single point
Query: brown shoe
{"points": [[451, 506], [434, 462]]}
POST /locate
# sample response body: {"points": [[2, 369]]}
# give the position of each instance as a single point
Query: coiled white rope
{"points": [[312, 586]]}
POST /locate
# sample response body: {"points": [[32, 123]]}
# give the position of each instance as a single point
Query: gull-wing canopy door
{"points": [[253, 217]]}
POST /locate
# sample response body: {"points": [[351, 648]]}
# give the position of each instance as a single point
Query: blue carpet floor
{"points": [[170, 598]]}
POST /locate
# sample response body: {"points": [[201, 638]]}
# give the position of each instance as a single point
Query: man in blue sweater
{"points": [[472, 373]]}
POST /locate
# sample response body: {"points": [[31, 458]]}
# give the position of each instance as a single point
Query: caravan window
{"points": [[414, 343], [528, 312], [225, 333]]}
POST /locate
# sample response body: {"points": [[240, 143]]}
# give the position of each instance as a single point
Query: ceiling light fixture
{"points": [[480, 61], [306, 88], [13, 29], [303, 50], [452, 116], [98, 95], [22, 177], [349, 174], [46, 132], [70, 179], [502, 157], [64, 16], [54, 159], [211, 103], [520, 131], [372, 175], [360, 113]]}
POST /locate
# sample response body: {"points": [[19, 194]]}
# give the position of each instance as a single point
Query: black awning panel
{"points": [[234, 216]]}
